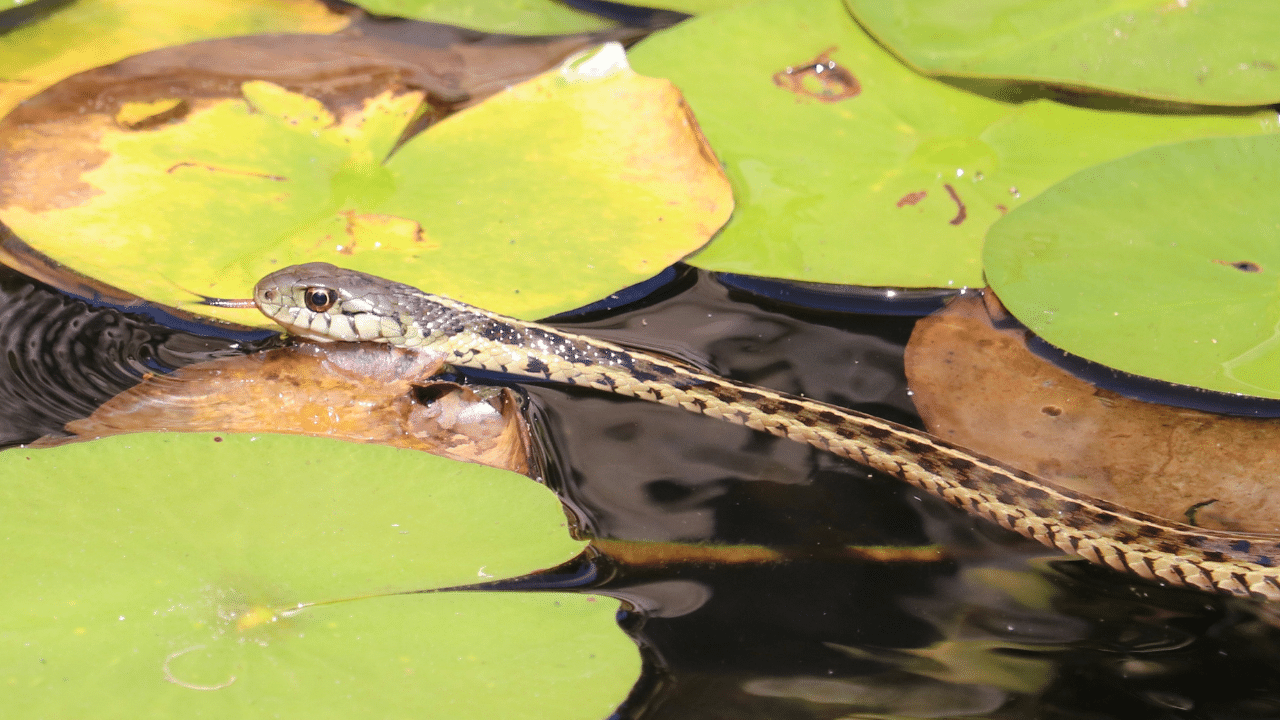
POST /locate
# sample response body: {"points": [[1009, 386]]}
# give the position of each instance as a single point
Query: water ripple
{"points": [[63, 357]]}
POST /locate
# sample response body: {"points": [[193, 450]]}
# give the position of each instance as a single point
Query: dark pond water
{"points": [[939, 616]]}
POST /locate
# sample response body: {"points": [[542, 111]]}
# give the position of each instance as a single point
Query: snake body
{"points": [[327, 303]]}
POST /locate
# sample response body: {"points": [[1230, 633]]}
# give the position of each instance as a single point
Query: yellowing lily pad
{"points": [[849, 167], [246, 576], [90, 33], [1212, 52], [543, 198], [1162, 264]]}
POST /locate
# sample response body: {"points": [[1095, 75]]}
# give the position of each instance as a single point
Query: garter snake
{"points": [[326, 303]]}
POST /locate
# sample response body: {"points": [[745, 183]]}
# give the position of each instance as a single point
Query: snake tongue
{"points": [[248, 304]]}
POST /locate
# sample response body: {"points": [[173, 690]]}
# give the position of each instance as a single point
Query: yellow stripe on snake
{"points": [[326, 303]]}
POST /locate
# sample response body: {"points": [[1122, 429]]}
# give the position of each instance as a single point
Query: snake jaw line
{"points": [[1241, 564]]}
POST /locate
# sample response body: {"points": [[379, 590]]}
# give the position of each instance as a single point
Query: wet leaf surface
{"points": [[1162, 264], [242, 185], [1211, 53], [518, 17], [848, 167], [982, 388], [90, 33], [361, 393], [251, 575]]}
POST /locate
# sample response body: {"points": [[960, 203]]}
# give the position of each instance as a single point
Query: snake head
{"points": [[323, 302]]}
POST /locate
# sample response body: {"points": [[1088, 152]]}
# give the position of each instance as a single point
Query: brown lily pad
{"points": [[982, 388], [359, 392], [73, 37]]}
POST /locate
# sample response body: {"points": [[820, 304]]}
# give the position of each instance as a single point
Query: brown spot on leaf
{"points": [[698, 139], [227, 170], [41, 171], [820, 78], [378, 230], [911, 198], [961, 213], [1242, 265]]}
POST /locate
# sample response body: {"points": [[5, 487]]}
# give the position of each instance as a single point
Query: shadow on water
{"points": [[765, 579]]}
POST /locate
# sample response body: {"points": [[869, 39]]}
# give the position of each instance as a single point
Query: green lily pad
{"points": [[848, 167], [248, 576], [543, 198], [1162, 264], [91, 33], [1213, 53], [515, 17]]}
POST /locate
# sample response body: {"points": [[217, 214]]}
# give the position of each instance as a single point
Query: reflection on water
{"points": [[998, 627], [989, 625]]}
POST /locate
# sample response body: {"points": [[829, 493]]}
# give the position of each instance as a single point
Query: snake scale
{"points": [[326, 303]]}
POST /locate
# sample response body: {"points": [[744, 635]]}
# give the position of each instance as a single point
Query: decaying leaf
{"points": [[257, 170], [82, 35], [982, 388], [342, 70], [363, 393]]}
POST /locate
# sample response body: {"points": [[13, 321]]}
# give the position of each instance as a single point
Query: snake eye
{"points": [[318, 299]]}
